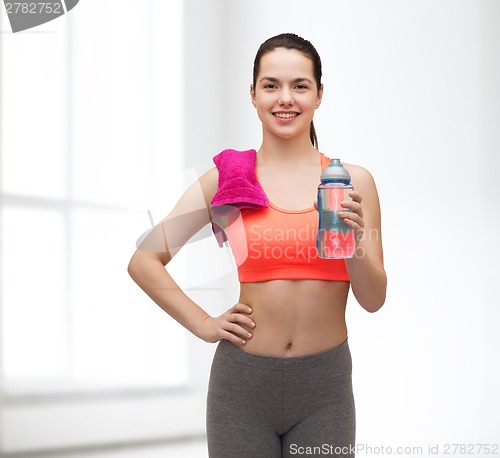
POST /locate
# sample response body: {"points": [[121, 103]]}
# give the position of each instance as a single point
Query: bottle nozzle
{"points": [[335, 171]]}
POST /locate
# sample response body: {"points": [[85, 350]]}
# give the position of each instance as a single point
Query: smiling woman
{"points": [[289, 88], [281, 373]]}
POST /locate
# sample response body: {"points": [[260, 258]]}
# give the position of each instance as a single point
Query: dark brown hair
{"points": [[291, 41]]}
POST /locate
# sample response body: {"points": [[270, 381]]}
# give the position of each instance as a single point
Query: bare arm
{"points": [[366, 269], [147, 266]]}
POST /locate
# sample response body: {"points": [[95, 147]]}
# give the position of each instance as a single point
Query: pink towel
{"points": [[238, 186]]}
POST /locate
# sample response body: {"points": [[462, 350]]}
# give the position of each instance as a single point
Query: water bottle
{"points": [[335, 238]]}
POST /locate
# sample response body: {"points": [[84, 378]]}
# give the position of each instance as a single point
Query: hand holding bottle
{"points": [[340, 217], [353, 216]]}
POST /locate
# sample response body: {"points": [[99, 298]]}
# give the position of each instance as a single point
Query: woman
{"points": [[280, 382]]}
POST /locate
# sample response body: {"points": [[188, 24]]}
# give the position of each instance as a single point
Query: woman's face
{"points": [[285, 93]]}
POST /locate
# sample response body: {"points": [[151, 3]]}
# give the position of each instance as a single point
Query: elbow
{"points": [[142, 262], [133, 267], [373, 305], [377, 299], [374, 300]]}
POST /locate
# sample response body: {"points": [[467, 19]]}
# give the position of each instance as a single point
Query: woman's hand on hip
{"points": [[229, 326]]}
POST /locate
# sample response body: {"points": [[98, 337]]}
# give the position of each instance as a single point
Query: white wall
{"points": [[411, 93]]}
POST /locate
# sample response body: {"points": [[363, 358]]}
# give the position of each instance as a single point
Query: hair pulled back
{"points": [[291, 41]]}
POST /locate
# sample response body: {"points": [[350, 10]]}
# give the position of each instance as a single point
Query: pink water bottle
{"points": [[335, 239]]}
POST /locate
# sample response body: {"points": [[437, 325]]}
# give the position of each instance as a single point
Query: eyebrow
{"points": [[276, 80]]}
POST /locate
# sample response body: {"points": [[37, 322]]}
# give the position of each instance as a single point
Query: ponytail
{"points": [[312, 134]]}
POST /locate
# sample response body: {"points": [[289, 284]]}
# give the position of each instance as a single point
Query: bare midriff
{"points": [[295, 317]]}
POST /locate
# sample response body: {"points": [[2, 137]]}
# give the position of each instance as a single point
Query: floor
{"points": [[192, 448]]}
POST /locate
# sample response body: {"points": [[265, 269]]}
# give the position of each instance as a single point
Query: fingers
{"points": [[354, 204], [238, 314], [240, 308], [235, 333], [240, 334], [353, 216], [234, 320], [350, 217], [242, 319], [355, 196], [233, 338]]}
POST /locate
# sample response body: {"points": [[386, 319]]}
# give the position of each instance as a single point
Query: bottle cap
{"points": [[335, 172]]}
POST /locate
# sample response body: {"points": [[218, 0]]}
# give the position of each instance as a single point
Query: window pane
{"points": [[33, 294], [33, 111], [121, 337], [104, 121], [112, 99]]}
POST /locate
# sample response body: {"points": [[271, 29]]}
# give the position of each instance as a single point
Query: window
{"points": [[91, 111]]}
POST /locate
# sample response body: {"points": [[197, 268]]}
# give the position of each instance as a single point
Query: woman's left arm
{"points": [[366, 269]]}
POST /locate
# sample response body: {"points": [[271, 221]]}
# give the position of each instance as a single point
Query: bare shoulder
{"points": [[209, 183], [360, 176], [364, 183], [198, 195]]}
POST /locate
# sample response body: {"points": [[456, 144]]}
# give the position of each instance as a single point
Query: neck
{"points": [[297, 150]]}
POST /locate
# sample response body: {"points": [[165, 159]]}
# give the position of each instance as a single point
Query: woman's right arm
{"points": [[147, 267]]}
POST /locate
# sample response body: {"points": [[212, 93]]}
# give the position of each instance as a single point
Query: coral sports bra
{"points": [[271, 243]]}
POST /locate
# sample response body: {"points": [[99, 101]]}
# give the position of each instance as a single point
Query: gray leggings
{"points": [[262, 406]]}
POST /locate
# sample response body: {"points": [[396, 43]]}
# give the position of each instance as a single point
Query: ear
{"points": [[252, 94], [320, 97]]}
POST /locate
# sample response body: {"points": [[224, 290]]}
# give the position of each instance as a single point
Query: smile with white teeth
{"points": [[285, 115]]}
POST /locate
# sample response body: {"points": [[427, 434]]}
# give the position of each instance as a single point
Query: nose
{"points": [[286, 97]]}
